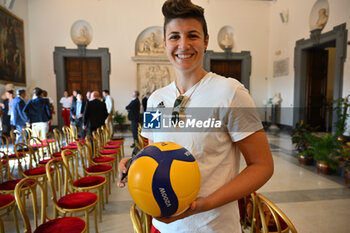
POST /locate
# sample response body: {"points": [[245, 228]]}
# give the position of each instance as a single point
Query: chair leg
{"points": [[87, 221], [2, 229], [106, 188], [100, 197], [15, 217], [96, 226]]}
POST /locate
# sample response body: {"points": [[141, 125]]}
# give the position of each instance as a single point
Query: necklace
{"points": [[185, 100]]}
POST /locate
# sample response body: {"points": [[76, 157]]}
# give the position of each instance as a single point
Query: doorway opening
{"points": [[82, 69], [319, 67]]}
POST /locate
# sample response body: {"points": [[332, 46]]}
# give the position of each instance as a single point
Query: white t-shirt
{"points": [[109, 104], [216, 153], [66, 102]]}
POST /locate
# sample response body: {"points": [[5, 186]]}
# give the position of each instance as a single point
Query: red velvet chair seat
{"points": [[59, 225], [38, 145], [6, 199], [77, 200], [89, 181], [115, 143], [111, 147], [108, 152], [99, 168], [69, 147], [45, 161], [4, 162], [75, 143], [11, 184], [81, 139], [13, 156], [105, 159], [36, 171], [48, 140], [58, 154]]}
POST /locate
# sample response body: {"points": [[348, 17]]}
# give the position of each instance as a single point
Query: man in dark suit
{"points": [[38, 113], [77, 113], [19, 118], [144, 101], [95, 113], [134, 115]]}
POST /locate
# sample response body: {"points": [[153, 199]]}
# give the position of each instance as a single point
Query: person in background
{"points": [[95, 113], [109, 101], [88, 95], [144, 101], [133, 109], [6, 118], [66, 103], [217, 152], [38, 113], [52, 109], [77, 113], [75, 93], [19, 118]]}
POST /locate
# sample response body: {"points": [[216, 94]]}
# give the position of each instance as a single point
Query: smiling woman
{"points": [[217, 152]]}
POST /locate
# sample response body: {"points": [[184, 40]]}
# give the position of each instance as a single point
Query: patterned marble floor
{"points": [[314, 203]]}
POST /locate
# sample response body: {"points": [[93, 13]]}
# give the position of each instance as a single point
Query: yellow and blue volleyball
{"points": [[164, 179]]}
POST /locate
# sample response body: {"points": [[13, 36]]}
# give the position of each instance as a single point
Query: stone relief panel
{"points": [[150, 42], [152, 76]]}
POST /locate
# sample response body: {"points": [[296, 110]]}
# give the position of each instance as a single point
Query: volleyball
{"points": [[164, 179]]}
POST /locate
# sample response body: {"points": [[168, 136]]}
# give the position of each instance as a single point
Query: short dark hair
{"points": [[77, 91], [184, 9], [106, 91], [137, 93], [38, 91], [21, 91], [10, 91]]}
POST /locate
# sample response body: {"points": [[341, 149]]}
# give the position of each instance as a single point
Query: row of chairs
{"points": [[258, 215], [59, 161]]}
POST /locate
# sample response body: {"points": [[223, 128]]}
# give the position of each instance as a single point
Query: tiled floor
{"points": [[314, 203]]}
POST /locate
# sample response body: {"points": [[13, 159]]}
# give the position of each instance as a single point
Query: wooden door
{"points": [[83, 74], [316, 88], [227, 68]]}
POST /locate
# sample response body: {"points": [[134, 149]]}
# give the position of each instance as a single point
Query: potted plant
{"points": [[325, 150], [341, 106], [119, 119], [344, 161], [299, 139]]}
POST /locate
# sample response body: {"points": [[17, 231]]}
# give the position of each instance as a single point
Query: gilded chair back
{"points": [[29, 157], [74, 131], [57, 180], [28, 133], [71, 161], [141, 143], [97, 142], [4, 147], [5, 174], [59, 140], [272, 218], [43, 150], [14, 134], [68, 134], [248, 212], [140, 220], [85, 153], [22, 206]]}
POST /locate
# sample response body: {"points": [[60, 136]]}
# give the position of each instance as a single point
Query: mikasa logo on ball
{"points": [[165, 197]]}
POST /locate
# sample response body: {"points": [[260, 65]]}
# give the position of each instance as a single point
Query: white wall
{"points": [[284, 36], [117, 23]]}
